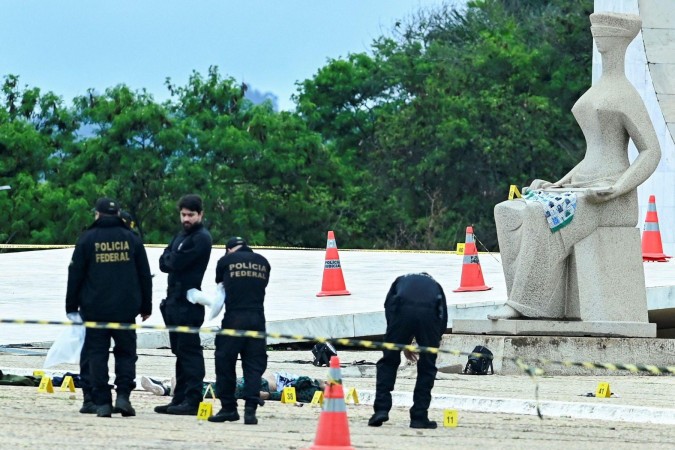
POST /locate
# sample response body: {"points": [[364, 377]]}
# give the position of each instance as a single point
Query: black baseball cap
{"points": [[234, 242], [107, 206]]}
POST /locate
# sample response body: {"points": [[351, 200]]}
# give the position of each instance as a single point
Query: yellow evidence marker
{"points": [[46, 385], [288, 395], [603, 390], [514, 192], [67, 384], [460, 248], [205, 409], [38, 373], [351, 393], [450, 418], [317, 399]]}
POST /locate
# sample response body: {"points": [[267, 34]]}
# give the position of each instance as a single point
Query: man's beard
{"points": [[187, 225]]}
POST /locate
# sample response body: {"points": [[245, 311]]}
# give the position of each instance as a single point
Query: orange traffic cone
{"points": [[333, 281], [472, 275], [652, 248], [333, 430]]}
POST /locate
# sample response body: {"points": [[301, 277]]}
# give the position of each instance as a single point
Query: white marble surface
{"points": [[33, 286]]}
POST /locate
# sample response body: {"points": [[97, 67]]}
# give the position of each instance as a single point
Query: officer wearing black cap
{"points": [[185, 260], [109, 280], [415, 307], [244, 275]]}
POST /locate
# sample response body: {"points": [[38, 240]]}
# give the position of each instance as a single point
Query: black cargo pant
{"points": [[406, 320], [188, 349], [96, 348], [253, 353], [84, 376]]}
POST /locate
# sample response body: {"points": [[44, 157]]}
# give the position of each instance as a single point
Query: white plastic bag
{"points": [[215, 303], [67, 347]]}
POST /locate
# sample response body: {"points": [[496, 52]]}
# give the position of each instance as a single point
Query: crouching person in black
{"points": [[109, 280], [415, 308], [244, 275]]}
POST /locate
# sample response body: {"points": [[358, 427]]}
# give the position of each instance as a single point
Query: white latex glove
{"points": [[74, 317]]}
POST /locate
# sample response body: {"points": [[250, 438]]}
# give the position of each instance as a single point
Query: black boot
{"points": [[123, 405], [422, 423], [164, 409], [184, 409], [88, 407], [104, 410], [225, 415], [249, 415], [378, 419]]}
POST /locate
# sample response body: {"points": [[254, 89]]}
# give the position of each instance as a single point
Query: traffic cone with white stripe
{"points": [[652, 247], [333, 281], [472, 275], [333, 430]]}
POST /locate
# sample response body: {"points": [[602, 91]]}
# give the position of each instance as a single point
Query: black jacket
{"points": [[245, 275], [417, 290], [185, 260], [109, 277]]}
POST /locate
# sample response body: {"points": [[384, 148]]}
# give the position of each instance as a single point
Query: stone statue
{"points": [[600, 191]]}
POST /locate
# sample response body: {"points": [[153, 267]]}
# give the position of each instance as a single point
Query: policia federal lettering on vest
{"points": [[244, 275], [109, 280], [185, 260]]}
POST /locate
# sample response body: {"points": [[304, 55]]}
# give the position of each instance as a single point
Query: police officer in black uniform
{"points": [[245, 275], [185, 260], [109, 280], [415, 308]]}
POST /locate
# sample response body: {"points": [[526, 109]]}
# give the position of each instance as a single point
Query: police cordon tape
{"points": [[373, 345], [256, 247]]}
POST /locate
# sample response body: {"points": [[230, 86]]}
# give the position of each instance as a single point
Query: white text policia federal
{"points": [[247, 269], [115, 251]]}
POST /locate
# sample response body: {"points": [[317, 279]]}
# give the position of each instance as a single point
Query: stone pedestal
{"points": [[554, 328], [607, 278], [658, 352]]}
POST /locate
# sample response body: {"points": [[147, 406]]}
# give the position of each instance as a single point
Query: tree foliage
{"points": [[401, 147]]}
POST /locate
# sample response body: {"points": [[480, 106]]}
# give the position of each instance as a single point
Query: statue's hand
{"points": [[537, 184], [600, 195]]}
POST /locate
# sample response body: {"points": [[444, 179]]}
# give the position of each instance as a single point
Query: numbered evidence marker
{"points": [[67, 384], [317, 399], [38, 373], [450, 418], [353, 395], [460, 248], [288, 395], [603, 390], [205, 409], [46, 385]]}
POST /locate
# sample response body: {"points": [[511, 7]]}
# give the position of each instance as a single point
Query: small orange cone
{"points": [[652, 248], [472, 275], [333, 430], [333, 281]]}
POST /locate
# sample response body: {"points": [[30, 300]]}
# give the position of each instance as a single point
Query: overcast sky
{"points": [[68, 46]]}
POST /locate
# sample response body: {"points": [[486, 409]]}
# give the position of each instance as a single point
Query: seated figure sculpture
{"points": [[537, 233]]}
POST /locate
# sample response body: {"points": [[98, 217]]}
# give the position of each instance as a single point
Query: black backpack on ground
{"points": [[479, 364], [322, 354]]}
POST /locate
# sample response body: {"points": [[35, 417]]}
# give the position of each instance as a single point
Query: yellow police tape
{"points": [[257, 247], [374, 345]]}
